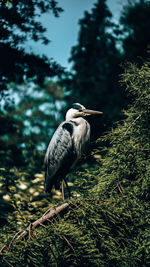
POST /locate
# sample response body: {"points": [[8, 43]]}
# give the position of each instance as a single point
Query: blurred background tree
{"points": [[102, 47], [135, 21], [96, 62], [24, 71], [40, 110]]}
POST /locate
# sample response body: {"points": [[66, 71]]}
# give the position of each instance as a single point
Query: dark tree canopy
{"points": [[20, 23], [96, 63], [135, 20], [101, 49]]}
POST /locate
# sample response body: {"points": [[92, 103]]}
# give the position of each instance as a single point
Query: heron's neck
{"points": [[78, 120], [70, 115]]}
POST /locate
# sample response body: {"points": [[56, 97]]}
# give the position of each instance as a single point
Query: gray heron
{"points": [[66, 146]]}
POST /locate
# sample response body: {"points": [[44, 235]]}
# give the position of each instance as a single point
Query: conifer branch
{"points": [[46, 217]]}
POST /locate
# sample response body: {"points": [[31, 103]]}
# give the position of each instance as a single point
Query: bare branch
{"points": [[46, 217]]}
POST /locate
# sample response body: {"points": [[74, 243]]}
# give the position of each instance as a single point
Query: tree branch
{"points": [[47, 215]]}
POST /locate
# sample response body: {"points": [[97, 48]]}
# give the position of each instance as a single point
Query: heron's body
{"points": [[66, 146]]}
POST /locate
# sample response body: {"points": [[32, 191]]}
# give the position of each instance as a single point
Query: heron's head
{"points": [[78, 110]]}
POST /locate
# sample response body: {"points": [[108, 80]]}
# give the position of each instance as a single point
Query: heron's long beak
{"points": [[90, 112]]}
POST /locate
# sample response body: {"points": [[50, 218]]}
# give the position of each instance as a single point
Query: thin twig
{"points": [[7, 246], [14, 237], [41, 224], [131, 125], [69, 244], [120, 186]]}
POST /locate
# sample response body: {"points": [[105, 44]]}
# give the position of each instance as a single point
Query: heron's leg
{"points": [[67, 187], [62, 190]]}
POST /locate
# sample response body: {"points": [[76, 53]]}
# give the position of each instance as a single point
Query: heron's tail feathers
{"points": [[48, 183]]}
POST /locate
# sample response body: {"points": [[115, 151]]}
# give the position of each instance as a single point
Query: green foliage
{"points": [[108, 224]]}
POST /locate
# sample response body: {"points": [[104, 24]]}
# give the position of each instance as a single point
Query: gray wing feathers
{"points": [[59, 149]]}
